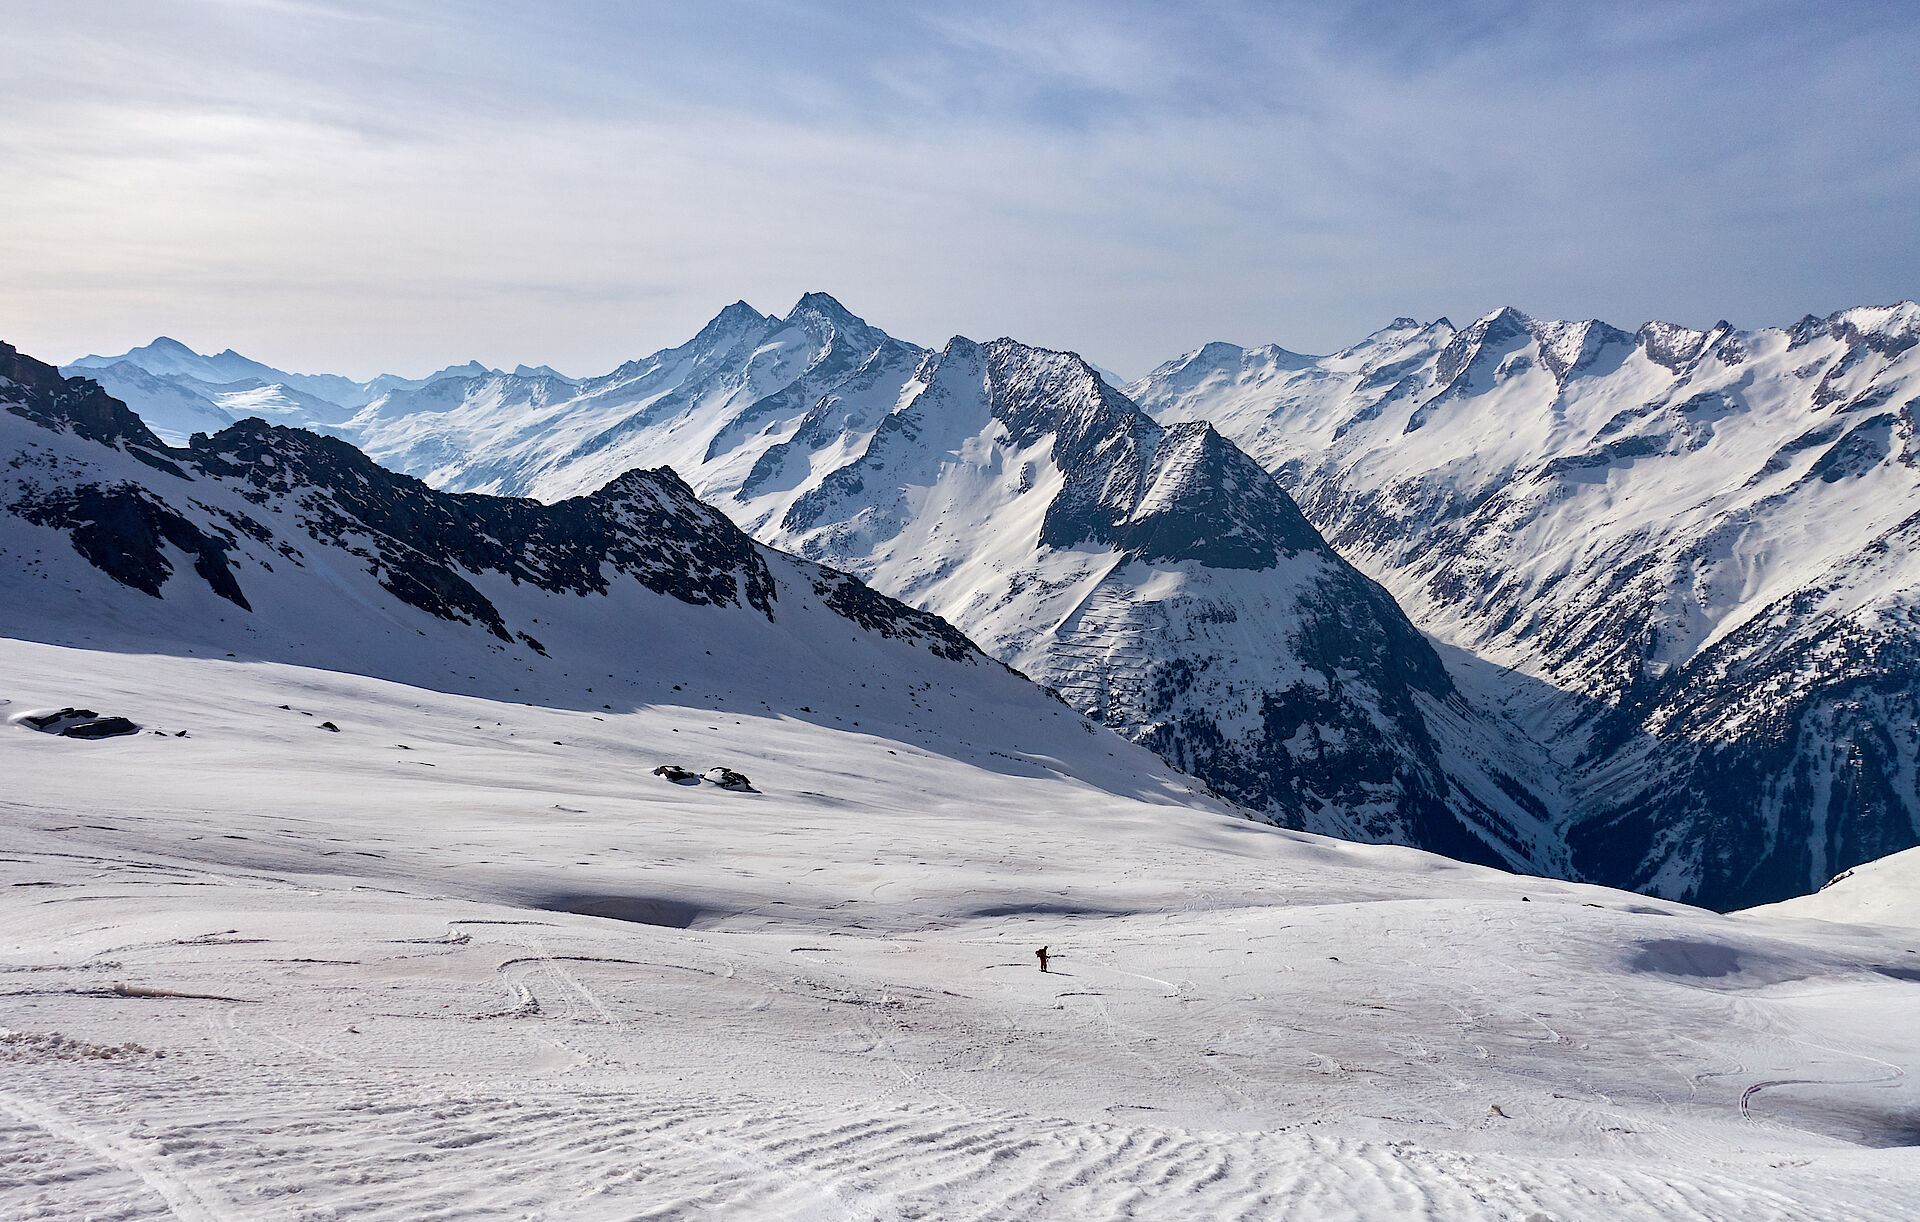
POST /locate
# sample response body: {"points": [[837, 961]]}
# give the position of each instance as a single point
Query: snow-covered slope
{"points": [[1696, 548], [467, 958], [1883, 892], [1158, 579]]}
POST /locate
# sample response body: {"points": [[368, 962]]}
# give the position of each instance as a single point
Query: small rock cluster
{"points": [[725, 778]]}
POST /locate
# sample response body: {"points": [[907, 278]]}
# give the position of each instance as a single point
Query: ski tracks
{"points": [[590, 1155], [185, 1197]]}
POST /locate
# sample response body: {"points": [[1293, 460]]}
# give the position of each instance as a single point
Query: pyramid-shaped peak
{"points": [[822, 303], [735, 317], [1506, 319], [1480, 342], [730, 324], [831, 326]]}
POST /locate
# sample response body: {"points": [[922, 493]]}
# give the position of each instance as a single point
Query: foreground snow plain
{"points": [[502, 971]]}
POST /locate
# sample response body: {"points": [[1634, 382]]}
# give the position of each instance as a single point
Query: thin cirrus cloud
{"points": [[371, 186]]}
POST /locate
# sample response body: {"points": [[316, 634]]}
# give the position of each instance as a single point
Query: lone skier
{"points": [[1041, 955]]}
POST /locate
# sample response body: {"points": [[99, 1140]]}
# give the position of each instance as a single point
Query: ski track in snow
{"points": [[185, 1199], [612, 1155]]}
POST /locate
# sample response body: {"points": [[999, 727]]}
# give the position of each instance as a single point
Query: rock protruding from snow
{"points": [[40, 393], [1164, 584], [727, 778], [75, 723]]}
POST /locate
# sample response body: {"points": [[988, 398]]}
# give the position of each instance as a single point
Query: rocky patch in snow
{"points": [[74, 723]]}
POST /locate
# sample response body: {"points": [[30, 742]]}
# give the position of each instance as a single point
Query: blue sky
{"points": [[359, 187]]}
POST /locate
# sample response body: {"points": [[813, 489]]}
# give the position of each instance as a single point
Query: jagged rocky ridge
{"points": [[1696, 549], [1157, 578]]}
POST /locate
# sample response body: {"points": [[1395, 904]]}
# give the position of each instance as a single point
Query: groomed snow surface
{"points": [[470, 959]]}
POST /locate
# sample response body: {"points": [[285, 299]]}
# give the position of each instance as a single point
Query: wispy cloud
{"points": [[401, 184]]}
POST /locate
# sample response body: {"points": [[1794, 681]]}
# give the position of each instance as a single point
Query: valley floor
{"points": [[502, 971]]}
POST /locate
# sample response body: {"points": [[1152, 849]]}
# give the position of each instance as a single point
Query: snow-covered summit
{"points": [[1652, 534], [170, 359], [542, 371]]}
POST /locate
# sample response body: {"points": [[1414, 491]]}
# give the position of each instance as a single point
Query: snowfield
{"points": [[469, 958]]}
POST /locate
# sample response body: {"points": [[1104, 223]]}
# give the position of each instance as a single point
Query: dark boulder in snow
{"points": [[101, 727], [77, 723], [677, 774], [727, 778]]}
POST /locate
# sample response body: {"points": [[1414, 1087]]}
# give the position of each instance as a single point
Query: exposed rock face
{"points": [[1700, 545], [40, 393], [646, 525]]}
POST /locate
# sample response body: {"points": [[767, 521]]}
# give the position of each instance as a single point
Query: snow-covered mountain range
{"points": [[179, 392], [1697, 551], [1668, 572]]}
